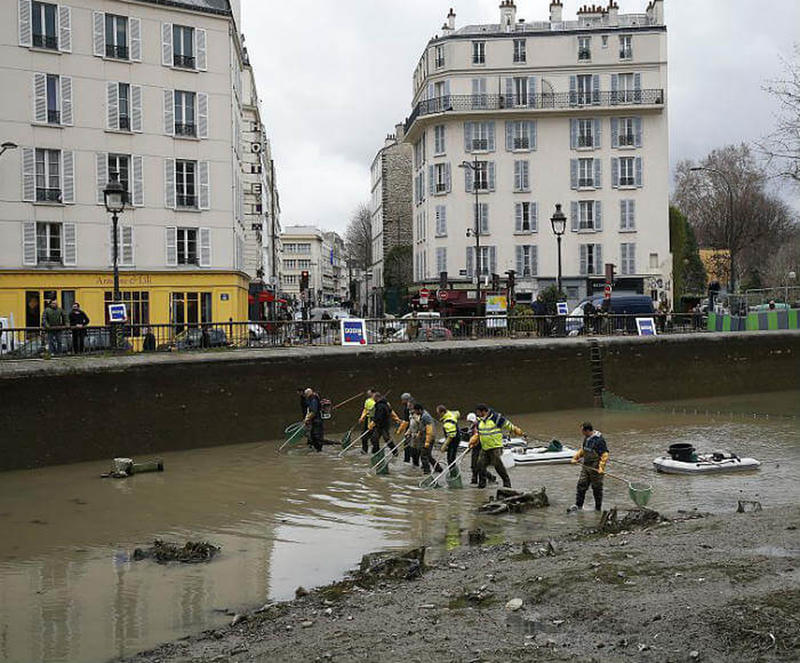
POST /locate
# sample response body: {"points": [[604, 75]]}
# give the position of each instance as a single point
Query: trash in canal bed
{"points": [[193, 552], [125, 467]]}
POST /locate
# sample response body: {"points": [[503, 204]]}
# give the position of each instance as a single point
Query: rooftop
{"points": [[625, 21], [221, 7]]}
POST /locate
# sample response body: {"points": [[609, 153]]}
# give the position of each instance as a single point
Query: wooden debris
{"points": [[514, 501]]}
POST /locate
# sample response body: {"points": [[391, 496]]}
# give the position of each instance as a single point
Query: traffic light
{"points": [[443, 280], [495, 282], [303, 280], [511, 279]]}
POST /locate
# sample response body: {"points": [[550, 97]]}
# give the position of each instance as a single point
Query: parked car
{"points": [[437, 333], [621, 304], [192, 339]]}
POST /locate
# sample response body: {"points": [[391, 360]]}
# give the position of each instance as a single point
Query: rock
{"points": [[514, 604], [329, 611], [238, 650], [306, 624], [289, 627], [426, 606], [476, 536], [238, 619], [300, 591], [694, 654]]}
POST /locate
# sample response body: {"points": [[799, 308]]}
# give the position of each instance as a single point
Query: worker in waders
{"points": [[594, 454], [382, 418], [403, 431], [366, 418], [315, 429], [489, 435], [475, 453], [452, 437], [424, 440]]}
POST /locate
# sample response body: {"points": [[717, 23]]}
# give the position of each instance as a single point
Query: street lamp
{"points": [[728, 226], [114, 199], [8, 145], [559, 223], [475, 231]]}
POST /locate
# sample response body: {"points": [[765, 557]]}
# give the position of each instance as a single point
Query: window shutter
{"points": [[64, 29], [99, 33], [631, 214], [623, 257], [614, 173], [200, 48], [534, 217], [639, 171], [171, 238], [169, 112], [136, 108], [169, 183], [637, 128], [519, 257], [531, 91], [597, 139], [526, 175], [491, 136], [518, 217], [28, 242], [25, 35], [467, 137], [40, 97], [66, 100], [534, 260], [614, 132], [517, 175], [28, 175], [623, 214], [431, 179], [70, 245], [490, 168], [492, 259], [533, 134], [112, 105], [102, 175], [509, 92], [510, 136], [138, 180], [637, 88], [573, 173], [447, 177], [68, 176], [631, 258], [598, 259], [166, 44], [446, 101], [595, 88], [202, 115], [573, 90], [598, 182], [484, 217], [582, 268], [614, 88], [205, 247], [598, 215], [135, 28], [470, 262], [574, 221], [127, 246], [205, 188], [573, 134], [468, 180]]}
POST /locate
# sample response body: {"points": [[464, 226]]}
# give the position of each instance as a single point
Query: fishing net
{"points": [[640, 492], [612, 401], [295, 434], [346, 439], [291, 428]]}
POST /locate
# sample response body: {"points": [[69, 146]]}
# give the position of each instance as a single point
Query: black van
{"points": [[632, 305]]}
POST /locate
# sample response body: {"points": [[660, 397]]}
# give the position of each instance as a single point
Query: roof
{"points": [[221, 7]]}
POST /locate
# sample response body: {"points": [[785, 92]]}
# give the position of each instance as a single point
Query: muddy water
{"points": [[68, 591]]}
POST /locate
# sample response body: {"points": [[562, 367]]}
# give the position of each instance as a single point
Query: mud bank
{"points": [[717, 589]]}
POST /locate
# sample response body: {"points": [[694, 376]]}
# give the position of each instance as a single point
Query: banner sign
{"points": [[354, 331], [117, 313], [496, 304], [646, 326], [562, 308]]}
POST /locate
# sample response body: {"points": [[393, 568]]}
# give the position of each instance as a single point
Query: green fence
{"points": [[761, 320]]}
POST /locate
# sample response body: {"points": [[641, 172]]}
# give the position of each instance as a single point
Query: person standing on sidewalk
{"points": [[78, 320], [594, 454], [489, 435], [55, 321]]}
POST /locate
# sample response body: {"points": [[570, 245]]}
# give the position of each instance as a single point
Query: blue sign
{"points": [[354, 332], [117, 313], [646, 326], [562, 308]]}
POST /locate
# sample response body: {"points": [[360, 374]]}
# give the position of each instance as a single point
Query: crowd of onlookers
{"points": [[55, 320]]}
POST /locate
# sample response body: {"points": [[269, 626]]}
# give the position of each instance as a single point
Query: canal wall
{"points": [[77, 409]]}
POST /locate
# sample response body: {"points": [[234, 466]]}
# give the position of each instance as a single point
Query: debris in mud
{"points": [[476, 536], [611, 523], [193, 552], [514, 501], [405, 566], [746, 506], [125, 467]]}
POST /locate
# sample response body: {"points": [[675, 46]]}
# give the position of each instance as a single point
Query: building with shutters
{"points": [[151, 91], [552, 111], [309, 249]]}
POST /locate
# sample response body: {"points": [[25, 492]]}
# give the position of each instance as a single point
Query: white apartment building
{"points": [[308, 249], [550, 112], [152, 92]]}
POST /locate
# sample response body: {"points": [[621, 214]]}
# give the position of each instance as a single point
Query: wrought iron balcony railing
{"points": [[45, 41], [183, 61], [186, 201], [44, 195], [53, 117], [185, 129], [118, 52], [124, 123]]}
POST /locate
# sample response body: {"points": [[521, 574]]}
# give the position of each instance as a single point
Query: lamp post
{"points": [[728, 226], [7, 145], [475, 231], [559, 224], [114, 199]]}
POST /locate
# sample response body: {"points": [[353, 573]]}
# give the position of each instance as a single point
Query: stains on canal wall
{"points": [[65, 411]]}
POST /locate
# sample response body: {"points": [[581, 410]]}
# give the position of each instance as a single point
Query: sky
{"points": [[334, 77]]}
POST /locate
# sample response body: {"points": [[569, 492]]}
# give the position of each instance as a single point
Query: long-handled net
{"points": [[639, 491]]}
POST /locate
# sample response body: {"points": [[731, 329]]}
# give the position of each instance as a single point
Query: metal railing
{"points": [[183, 61], [118, 52], [45, 195], [40, 342], [45, 41], [53, 117], [185, 129]]}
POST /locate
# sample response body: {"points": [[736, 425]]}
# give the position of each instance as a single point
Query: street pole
{"points": [[478, 266], [558, 239], [115, 225]]}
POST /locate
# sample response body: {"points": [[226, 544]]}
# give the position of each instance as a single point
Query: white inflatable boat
{"points": [[541, 456], [705, 464]]}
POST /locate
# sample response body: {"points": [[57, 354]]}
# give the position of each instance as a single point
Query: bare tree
{"points": [[782, 146], [358, 238]]}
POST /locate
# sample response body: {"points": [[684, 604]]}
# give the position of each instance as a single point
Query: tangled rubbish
{"points": [[390, 565], [611, 523], [514, 501], [193, 552]]}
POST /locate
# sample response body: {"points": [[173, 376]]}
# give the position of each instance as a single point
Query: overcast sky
{"points": [[334, 77]]}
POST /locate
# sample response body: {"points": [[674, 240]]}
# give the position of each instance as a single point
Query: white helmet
{"points": [[472, 418]]}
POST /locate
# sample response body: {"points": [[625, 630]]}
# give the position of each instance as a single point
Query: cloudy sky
{"points": [[334, 77]]}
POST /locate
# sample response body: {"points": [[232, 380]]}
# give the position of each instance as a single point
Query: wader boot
{"points": [[492, 457], [589, 477], [365, 438]]}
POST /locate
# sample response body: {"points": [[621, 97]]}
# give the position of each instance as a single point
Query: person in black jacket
{"points": [[382, 418], [78, 320], [315, 429]]}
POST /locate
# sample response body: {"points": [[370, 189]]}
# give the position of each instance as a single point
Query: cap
{"points": [[472, 418], [405, 396]]}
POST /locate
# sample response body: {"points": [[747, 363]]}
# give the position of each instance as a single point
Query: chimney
{"points": [[508, 15], [556, 11], [451, 20], [613, 13], [658, 12], [399, 132]]}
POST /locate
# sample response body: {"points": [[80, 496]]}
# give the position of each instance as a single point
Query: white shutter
{"points": [[25, 31], [623, 214], [520, 266], [70, 245], [574, 219], [517, 175], [126, 249], [171, 238], [637, 128], [614, 132], [40, 97], [598, 179], [99, 33], [137, 166], [598, 215], [447, 178], [573, 173], [573, 134], [614, 172], [205, 247], [534, 261], [533, 134], [166, 44], [492, 259], [68, 176], [470, 260], [518, 218], [490, 168], [598, 134], [623, 258], [169, 183], [102, 175], [28, 174], [28, 242], [112, 105], [66, 100], [64, 29], [599, 268], [582, 267], [204, 185], [509, 136], [202, 115], [200, 48], [135, 30], [169, 112], [534, 217], [136, 108], [638, 171], [631, 214], [467, 139], [491, 136]]}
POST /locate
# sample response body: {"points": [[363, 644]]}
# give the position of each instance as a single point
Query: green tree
{"points": [[550, 295], [688, 272]]}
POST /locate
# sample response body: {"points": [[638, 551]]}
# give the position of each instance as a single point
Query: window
{"points": [[187, 246], [627, 255], [481, 216], [439, 139], [484, 261], [116, 37], [585, 133], [525, 217], [627, 132], [625, 47], [48, 176], [190, 308], [584, 48], [185, 183], [520, 52], [441, 222], [124, 106], [627, 176], [520, 136], [478, 52], [45, 21], [120, 164], [520, 91], [522, 176], [584, 89], [138, 306], [302, 247], [627, 215], [441, 259], [440, 59], [481, 176], [586, 173], [48, 243], [526, 260], [591, 259], [419, 152], [626, 88], [53, 103], [653, 261], [480, 99], [290, 264], [183, 47], [480, 136], [586, 215], [441, 175], [184, 113]]}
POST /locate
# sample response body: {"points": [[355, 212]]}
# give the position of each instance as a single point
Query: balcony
{"points": [[184, 201], [585, 141], [124, 123], [184, 129], [626, 54], [53, 117], [548, 101], [183, 61], [584, 54], [626, 140], [45, 41], [117, 52], [586, 183], [44, 195]]}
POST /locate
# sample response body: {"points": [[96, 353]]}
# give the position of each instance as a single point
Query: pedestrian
{"points": [[366, 418], [78, 320], [424, 440], [449, 419], [489, 435], [412, 327], [313, 420], [594, 454], [149, 342], [55, 320], [382, 418], [771, 304], [403, 430], [205, 338], [589, 318]]}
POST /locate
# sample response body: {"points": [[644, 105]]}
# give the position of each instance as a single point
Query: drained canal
{"points": [[68, 591]]}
